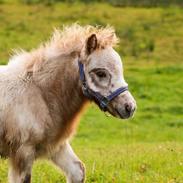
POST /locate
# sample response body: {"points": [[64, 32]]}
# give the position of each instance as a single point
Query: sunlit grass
{"points": [[145, 149]]}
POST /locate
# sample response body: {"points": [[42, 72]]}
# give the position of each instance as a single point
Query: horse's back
{"points": [[3, 68]]}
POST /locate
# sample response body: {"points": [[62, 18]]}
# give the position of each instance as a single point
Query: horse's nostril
{"points": [[128, 108]]}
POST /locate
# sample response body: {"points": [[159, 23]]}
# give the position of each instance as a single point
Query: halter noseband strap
{"points": [[103, 101]]}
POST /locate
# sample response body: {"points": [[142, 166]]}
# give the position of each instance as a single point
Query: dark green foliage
{"points": [[134, 3], [46, 2], [145, 3]]}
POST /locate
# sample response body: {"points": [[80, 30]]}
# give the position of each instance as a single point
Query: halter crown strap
{"points": [[103, 101]]}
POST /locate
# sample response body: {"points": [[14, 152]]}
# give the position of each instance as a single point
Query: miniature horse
{"points": [[43, 93]]}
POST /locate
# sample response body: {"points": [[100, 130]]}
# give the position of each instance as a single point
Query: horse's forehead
{"points": [[106, 58]]}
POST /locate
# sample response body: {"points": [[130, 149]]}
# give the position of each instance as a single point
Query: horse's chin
{"points": [[115, 113]]}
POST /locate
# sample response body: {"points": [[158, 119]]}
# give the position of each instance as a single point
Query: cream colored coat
{"points": [[41, 99]]}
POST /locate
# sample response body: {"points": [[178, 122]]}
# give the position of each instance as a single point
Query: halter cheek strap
{"points": [[102, 101]]}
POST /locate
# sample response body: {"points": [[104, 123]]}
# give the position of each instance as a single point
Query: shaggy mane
{"points": [[72, 38], [66, 41]]}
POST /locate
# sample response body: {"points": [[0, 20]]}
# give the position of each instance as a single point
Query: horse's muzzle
{"points": [[123, 106], [127, 111]]}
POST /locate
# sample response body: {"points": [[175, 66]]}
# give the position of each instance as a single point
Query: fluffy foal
{"points": [[42, 96]]}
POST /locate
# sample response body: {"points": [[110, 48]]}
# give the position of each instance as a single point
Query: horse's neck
{"points": [[61, 87]]}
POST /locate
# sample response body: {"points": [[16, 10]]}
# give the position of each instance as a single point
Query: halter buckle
{"points": [[104, 102]]}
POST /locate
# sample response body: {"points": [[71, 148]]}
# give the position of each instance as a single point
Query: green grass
{"points": [[145, 149]]}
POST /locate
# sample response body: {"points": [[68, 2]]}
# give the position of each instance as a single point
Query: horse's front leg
{"points": [[21, 165], [66, 159]]}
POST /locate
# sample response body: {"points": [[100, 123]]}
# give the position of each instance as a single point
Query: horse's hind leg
{"points": [[67, 160], [21, 165]]}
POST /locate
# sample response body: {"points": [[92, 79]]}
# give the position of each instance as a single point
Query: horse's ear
{"points": [[91, 44]]}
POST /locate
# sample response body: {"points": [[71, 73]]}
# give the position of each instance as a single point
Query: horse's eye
{"points": [[101, 74]]}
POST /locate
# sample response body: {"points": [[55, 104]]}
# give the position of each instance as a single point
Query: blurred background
{"points": [[147, 148]]}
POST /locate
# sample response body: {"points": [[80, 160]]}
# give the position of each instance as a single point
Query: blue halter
{"points": [[101, 100]]}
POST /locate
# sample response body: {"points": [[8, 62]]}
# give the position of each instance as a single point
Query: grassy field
{"points": [[145, 149]]}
